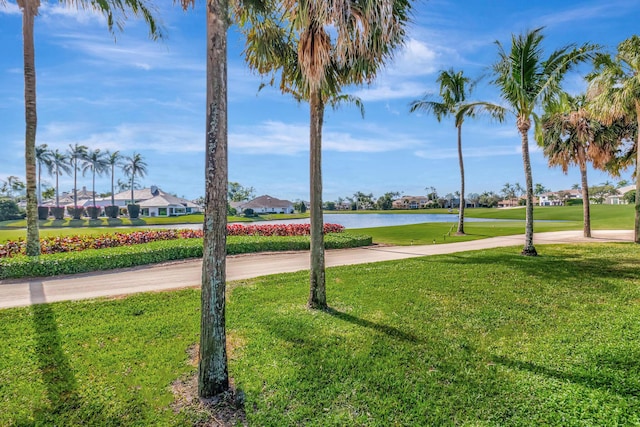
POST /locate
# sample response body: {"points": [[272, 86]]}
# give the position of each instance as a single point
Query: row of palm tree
{"points": [[79, 158], [571, 130]]}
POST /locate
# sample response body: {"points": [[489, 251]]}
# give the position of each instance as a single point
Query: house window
{"points": [[162, 211]]}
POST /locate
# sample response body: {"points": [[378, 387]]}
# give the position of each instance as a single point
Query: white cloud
{"points": [[274, 137], [391, 89], [450, 153], [10, 9], [52, 12], [416, 58], [159, 137]]}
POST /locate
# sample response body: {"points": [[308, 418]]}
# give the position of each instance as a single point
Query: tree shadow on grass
{"points": [[64, 404], [618, 380], [565, 266], [385, 329]]}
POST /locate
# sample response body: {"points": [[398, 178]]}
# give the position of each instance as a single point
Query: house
{"points": [[618, 198], [411, 202], [265, 204], [558, 198], [153, 202], [167, 205]]}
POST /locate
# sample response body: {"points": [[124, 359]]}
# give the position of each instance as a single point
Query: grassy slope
{"points": [[480, 338]]}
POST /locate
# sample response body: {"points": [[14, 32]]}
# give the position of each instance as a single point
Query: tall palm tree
{"points": [[43, 157], [453, 102], [615, 91], [213, 375], [292, 43], [59, 166], [77, 155], [134, 166], [569, 135], [95, 162], [115, 11], [113, 159], [527, 81]]}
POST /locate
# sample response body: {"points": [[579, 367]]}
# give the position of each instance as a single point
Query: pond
{"points": [[353, 221]]}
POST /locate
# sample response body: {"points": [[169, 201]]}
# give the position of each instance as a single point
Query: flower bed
{"points": [[52, 245]]}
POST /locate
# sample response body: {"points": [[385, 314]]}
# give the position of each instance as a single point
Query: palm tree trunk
{"points": [[75, 183], [39, 196], [57, 192], [317, 291], [462, 202], [133, 177], [213, 376], [586, 207], [523, 127], [29, 11], [113, 200], [93, 188], [636, 229]]}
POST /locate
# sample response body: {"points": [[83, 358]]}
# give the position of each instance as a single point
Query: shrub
{"points": [[58, 212], [43, 212], [57, 244], [75, 213], [111, 211], [9, 210], [158, 251], [573, 202], [134, 211], [93, 212], [248, 213]]}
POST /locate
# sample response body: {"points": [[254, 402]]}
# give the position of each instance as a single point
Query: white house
{"points": [[411, 202], [558, 198], [153, 202], [617, 199], [266, 204]]}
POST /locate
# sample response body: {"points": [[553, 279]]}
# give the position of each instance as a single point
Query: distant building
{"points": [[618, 198], [265, 204], [411, 202], [558, 198]]}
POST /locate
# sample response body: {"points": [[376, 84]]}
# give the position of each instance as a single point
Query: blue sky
{"points": [[133, 94]]}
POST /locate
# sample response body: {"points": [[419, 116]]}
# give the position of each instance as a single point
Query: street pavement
{"points": [[183, 274]]}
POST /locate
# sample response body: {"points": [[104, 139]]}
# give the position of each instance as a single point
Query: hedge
{"points": [[160, 251]]}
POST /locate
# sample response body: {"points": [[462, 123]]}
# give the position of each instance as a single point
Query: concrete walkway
{"points": [[182, 274]]}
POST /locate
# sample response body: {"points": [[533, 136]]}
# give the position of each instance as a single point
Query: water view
{"points": [[382, 220]]}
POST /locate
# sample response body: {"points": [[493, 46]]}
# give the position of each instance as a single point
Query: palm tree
{"points": [[213, 375], [291, 43], [526, 81], [43, 157], [615, 91], [570, 136], [113, 160], [97, 163], [59, 166], [115, 11], [134, 166], [77, 155], [453, 101]]}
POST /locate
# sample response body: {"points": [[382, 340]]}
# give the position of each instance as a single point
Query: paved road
{"points": [[181, 274]]}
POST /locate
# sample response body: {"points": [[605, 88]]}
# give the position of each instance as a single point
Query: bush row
{"points": [[56, 244], [129, 256]]}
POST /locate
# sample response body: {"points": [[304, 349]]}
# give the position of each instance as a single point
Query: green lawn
{"points": [[485, 338], [430, 233]]}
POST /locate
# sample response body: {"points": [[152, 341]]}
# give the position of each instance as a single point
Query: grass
{"points": [[430, 233], [478, 338]]}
